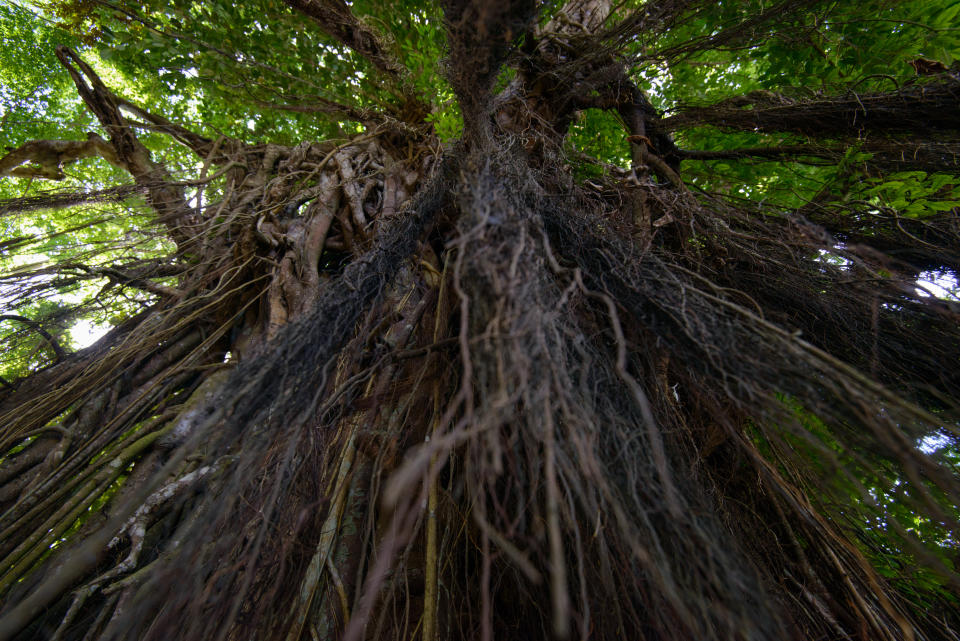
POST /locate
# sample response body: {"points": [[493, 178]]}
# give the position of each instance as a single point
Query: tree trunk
{"points": [[406, 389]]}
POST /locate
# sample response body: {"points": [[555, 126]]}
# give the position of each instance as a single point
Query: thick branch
{"points": [[168, 200], [754, 30], [35, 326], [195, 142], [772, 153], [319, 104], [371, 118], [649, 19], [336, 19], [647, 142], [927, 244], [137, 282], [579, 17], [885, 155], [46, 158], [59, 200], [918, 110]]}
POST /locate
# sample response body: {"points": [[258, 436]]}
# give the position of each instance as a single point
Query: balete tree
{"points": [[519, 319]]}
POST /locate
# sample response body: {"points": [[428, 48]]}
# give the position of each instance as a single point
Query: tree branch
{"points": [[61, 199], [370, 118], [651, 18], [646, 142], [168, 200], [919, 109], [885, 155], [46, 158], [335, 18], [774, 153], [35, 326], [195, 142], [745, 31], [137, 282]]}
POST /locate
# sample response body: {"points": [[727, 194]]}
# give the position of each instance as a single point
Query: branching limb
{"points": [[138, 283], [169, 201], [35, 326], [195, 142], [372, 118], [756, 28], [46, 158], [59, 200], [772, 153], [319, 104], [336, 19], [479, 35], [919, 110], [884, 154], [637, 114]]}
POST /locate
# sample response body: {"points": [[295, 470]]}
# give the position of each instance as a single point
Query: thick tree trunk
{"points": [[402, 389]]}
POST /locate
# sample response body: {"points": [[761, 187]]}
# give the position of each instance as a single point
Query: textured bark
{"points": [[405, 389]]}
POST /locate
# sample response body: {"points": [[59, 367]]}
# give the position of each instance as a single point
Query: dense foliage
{"points": [[466, 319]]}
